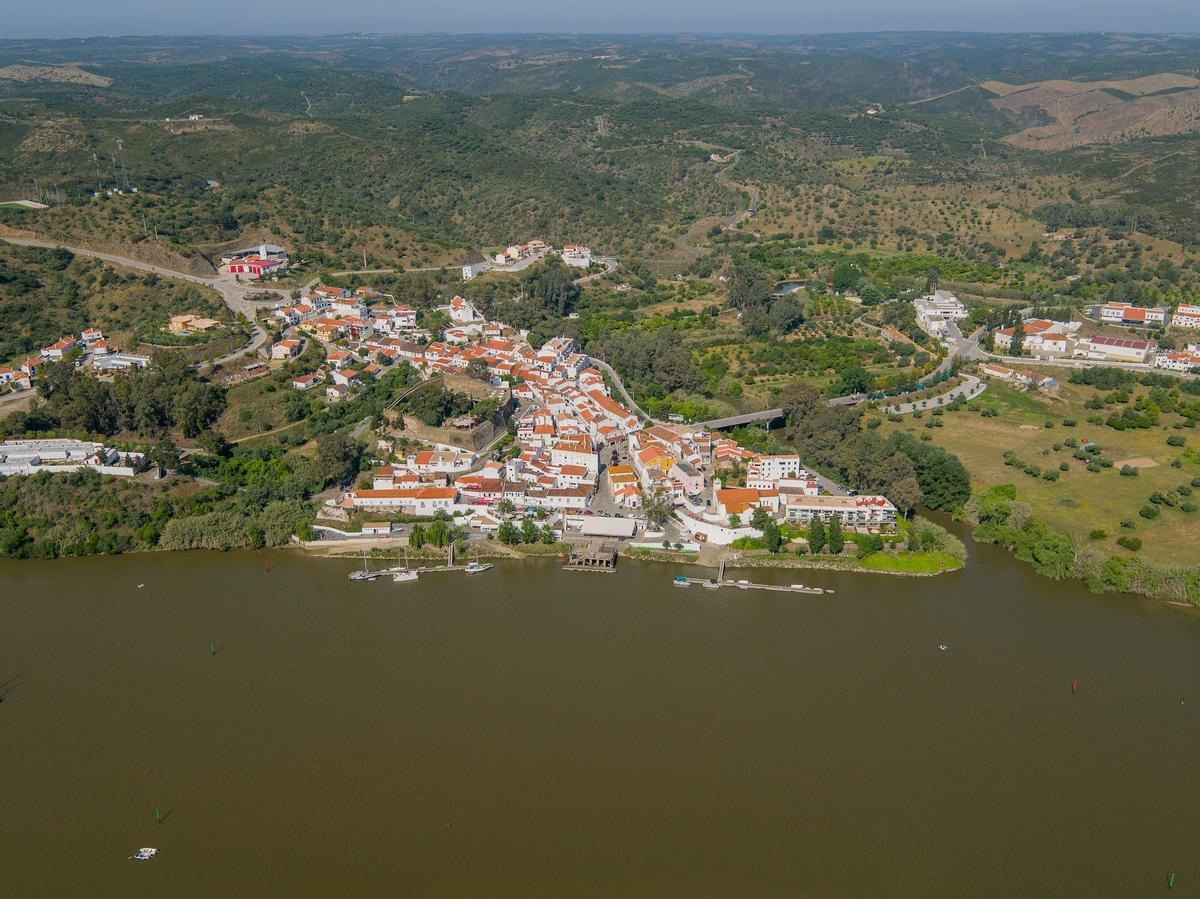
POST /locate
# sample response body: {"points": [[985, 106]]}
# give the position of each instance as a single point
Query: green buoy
{"points": [[212, 648], [158, 818], [1170, 881]]}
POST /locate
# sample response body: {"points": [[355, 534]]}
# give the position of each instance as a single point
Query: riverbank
{"points": [[904, 563]]}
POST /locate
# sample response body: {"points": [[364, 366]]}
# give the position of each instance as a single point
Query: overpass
{"points": [[769, 415], [736, 421]]}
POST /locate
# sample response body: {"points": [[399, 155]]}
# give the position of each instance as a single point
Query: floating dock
{"points": [[712, 583], [720, 581]]}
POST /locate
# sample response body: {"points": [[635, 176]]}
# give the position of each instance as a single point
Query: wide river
{"points": [[531, 732]]}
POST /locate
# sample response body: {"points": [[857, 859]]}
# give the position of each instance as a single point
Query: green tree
{"points": [[816, 535], [772, 538], [164, 454], [760, 519], [1017, 347], [508, 534], [658, 509], [416, 537], [837, 539], [529, 531]]}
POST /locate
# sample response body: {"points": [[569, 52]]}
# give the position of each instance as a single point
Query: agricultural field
{"points": [[1031, 428]]}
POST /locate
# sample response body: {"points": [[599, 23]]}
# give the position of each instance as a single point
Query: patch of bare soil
{"points": [[65, 74], [1137, 462], [1093, 112]]}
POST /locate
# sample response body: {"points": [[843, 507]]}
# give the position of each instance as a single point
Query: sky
{"points": [[85, 18]]}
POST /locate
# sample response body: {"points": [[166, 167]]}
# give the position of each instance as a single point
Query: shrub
{"points": [[1093, 467], [1196, 482], [1098, 534], [1148, 512], [1176, 440], [1133, 544], [1050, 475], [1128, 524], [1064, 466], [1048, 424], [1128, 471], [1188, 507], [1069, 422], [1183, 490]]}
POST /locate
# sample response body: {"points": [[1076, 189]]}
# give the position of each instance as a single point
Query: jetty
{"points": [[721, 581]]}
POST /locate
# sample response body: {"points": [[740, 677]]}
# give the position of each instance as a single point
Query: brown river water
{"points": [[531, 732]]}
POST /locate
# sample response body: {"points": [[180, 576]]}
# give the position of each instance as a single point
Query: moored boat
{"points": [[681, 581], [477, 567]]}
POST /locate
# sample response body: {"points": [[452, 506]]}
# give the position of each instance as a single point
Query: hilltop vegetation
{"points": [[46, 294]]}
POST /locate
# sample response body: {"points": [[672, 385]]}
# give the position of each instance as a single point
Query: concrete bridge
{"points": [[770, 415]]}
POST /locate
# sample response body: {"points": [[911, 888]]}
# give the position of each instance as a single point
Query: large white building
{"points": [[773, 468], [857, 513], [1126, 314], [1186, 316], [24, 457], [1113, 349], [936, 310]]}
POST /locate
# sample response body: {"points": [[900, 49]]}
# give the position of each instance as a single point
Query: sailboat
{"points": [[405, 574], [366, 574]]}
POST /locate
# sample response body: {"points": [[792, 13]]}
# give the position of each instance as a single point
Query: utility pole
{"points": [[121, 153]]}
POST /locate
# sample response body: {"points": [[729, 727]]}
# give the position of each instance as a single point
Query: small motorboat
{"points": [[477, 567], [144, 854], [681, 581], [402, 575]]}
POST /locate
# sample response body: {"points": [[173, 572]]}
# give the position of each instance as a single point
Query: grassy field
{"points": [[1080, 501], [253, 407]]}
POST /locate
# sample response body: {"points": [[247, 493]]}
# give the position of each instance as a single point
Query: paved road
{"points": [[620, 385], [610, 264], [970, 387], [233, 293]]}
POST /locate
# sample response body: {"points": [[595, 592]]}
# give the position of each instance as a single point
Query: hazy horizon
{"points": [[73, 19]]}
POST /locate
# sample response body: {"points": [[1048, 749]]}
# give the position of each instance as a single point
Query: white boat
{"points": [[144, 854], [366, 574], [403, 575], [477, 567], [681, 581]]}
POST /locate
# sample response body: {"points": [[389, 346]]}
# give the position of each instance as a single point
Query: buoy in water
{"points": [[943, 647], [1074, 686]]}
